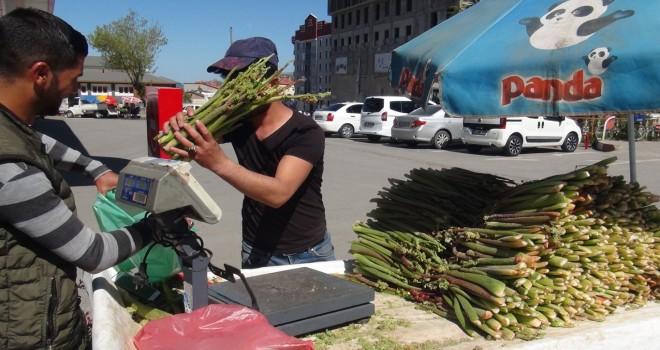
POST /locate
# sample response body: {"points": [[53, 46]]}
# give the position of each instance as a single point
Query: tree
{"points": [[461, 6], [131, 45]]}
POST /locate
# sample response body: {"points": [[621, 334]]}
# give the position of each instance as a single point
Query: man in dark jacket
{"points": [[42, 241]]}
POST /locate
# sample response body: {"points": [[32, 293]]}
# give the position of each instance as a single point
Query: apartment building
{"points": [[364, 33], [312, 62]]}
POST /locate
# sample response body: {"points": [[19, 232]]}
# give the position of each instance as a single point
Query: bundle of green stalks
{"points": [[239, 95], [569, 247]]}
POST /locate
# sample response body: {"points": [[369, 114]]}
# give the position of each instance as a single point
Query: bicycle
{"points": [[607, 127]]}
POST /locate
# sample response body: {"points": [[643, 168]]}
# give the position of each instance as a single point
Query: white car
{"points": [[431, 124], [512, 134], [340, 118], [378, 113], [195, 106]]}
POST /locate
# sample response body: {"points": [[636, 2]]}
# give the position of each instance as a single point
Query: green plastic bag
{"points": [[162, 262]]}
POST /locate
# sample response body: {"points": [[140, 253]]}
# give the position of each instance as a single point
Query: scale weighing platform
{"points": [[297, 301], [301, 300]]}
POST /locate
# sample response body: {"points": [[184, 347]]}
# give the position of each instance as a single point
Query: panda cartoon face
{"points": [[572, 13], [598, 60], [570, 22]]}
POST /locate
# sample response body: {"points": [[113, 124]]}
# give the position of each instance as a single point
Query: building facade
{"points": [[364, 34], [98, 80], [7, 6], [312, 59]]}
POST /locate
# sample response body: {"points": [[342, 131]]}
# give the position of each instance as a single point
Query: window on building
{"points": [[397, 8], [434, 19], [408, 5], [335, 44], [387, 9], [342, 42], [366, 15], [396, 33], [377, 12], [408, 30], [376, 36], [335, 21], [357, 39], [365, 37], [349, 41], [386, 35], [83, 88], [98, 89], [350, 18], [357, 17], [342, 21]]}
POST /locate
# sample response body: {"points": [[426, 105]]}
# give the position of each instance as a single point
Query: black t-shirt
{"points": [[300, 222]]}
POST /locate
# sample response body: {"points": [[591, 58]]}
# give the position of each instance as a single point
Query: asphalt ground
{"points": [[355, 170]]}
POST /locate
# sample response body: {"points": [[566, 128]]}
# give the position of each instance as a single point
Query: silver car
{"points": [[427, 125]]}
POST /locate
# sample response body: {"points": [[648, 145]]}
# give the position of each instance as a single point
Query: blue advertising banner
{"points": [[537, 57]]}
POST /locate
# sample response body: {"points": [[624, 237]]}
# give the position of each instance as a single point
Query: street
{"points": [[355, 170]]}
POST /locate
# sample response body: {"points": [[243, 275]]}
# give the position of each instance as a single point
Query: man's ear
{"points": [[40, 72]]}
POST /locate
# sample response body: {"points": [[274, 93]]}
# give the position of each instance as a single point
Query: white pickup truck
{"points": [[76, 107]]}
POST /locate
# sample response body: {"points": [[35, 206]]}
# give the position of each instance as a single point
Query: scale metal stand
{"points": [[296, 301]]}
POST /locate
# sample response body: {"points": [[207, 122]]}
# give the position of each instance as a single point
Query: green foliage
{"points": [[129, 44]]}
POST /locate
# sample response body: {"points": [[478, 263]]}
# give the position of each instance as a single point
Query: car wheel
{"points": [[69, 114], [346, 131], [441, 139], [373, 138], [513, 146], [474, 149], [570, 143]]}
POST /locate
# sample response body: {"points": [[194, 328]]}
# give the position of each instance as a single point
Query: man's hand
{"points": [[203, 148], [175, 123], [106, 182]]}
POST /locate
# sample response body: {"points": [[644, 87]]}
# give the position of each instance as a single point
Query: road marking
{"points": [[570, 154], [517, 158], [626, 162]]}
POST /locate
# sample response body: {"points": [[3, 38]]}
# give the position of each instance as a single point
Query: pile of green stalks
{"points": [[568, 247], [238, 97]]}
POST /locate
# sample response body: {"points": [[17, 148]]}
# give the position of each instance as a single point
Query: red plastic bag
{"points": [[217, 326]]}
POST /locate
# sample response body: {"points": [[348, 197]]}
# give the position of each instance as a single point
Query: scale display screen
{"points": [[135, 189]]}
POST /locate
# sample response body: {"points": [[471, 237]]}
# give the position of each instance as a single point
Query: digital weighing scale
{"points": [[297, 301]]}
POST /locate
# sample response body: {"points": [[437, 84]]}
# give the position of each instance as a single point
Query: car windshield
{"points": [[333, 108], [430, 110], [372, 105]]}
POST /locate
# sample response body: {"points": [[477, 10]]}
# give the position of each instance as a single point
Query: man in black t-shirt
{"points": [[279, 170]]}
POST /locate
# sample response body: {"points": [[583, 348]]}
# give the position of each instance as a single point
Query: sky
{"points": [[198, 31]]}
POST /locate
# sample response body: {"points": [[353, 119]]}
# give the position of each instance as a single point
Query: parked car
{"points": [[340, 118], [195, 106], [87, 106], [378, 113], [431, 124], [512, 134]]}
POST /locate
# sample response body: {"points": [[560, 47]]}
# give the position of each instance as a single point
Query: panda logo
{"points": [[570, 22], [598, 60]]}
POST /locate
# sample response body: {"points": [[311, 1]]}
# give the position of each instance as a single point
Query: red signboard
{"points": [[162, 103]]}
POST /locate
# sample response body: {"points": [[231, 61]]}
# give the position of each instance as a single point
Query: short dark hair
{"points": [[29, 35]]}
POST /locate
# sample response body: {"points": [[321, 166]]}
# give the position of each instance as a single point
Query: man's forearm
{"points": [[67, 158]]}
